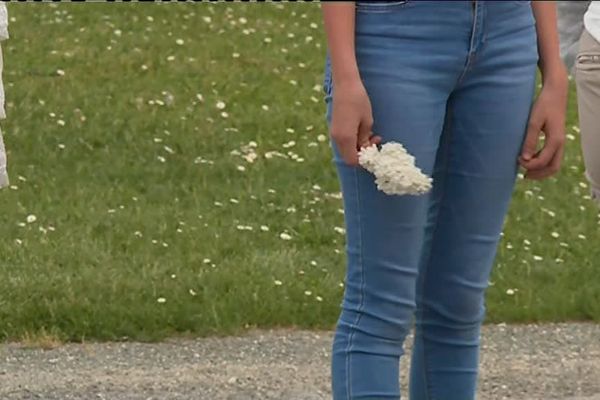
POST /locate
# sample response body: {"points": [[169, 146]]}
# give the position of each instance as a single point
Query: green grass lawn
{"points": [[131, 132]]}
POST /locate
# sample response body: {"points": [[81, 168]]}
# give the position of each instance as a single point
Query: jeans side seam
{"points": [[361, 288], [428, 388]]}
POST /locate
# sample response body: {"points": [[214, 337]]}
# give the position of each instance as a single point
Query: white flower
{"points": [[161, 300], [31, 219], [394, 169], [285, 236]]}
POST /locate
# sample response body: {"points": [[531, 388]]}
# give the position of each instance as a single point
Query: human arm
{"points": [[549, 110], [352, 118]]}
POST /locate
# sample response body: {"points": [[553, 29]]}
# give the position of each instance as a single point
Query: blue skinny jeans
{"points": [[454, 82]]}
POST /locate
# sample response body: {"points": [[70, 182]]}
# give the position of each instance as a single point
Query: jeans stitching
{"points": [[471, 56], [428, 388], [381, 8], [361, 290]]}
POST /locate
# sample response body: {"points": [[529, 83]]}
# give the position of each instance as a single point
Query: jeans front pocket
{"points": [[587, 61], [380, 6]]}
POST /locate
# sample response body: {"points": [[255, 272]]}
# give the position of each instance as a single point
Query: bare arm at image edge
{"points": [[3, 36], [548, 114], [352, 117]]}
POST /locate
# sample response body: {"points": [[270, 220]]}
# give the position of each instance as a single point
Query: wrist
{"points": [[554, 74], [346, 78]]}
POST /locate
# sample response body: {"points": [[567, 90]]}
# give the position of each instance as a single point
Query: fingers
{"points": [[374, 140], [545, 162], [552, 168], [543, 159], [364, 133], [349, 143], [548, 161], [531, 141]]}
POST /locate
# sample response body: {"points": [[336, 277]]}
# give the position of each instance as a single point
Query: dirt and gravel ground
{"points": [[527, 362]]}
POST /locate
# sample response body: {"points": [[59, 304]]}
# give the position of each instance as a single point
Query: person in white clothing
{"points": [[3, 36], [587, 78], [570, 25]]}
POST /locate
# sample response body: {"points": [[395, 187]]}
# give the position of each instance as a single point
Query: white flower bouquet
{"points": [[394, 169]]}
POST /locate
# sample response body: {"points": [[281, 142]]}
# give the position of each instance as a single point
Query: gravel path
{"points": [[523, 362]]}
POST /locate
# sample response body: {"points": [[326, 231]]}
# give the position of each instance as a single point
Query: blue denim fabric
{"points": [[454, 82]]}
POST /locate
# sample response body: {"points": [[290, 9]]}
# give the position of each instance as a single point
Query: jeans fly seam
{"points": [[471, 54], [361, 288], [428, 388]]}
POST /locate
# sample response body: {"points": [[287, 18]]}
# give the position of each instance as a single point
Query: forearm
{"points": [[339, 19], [550, 64]]}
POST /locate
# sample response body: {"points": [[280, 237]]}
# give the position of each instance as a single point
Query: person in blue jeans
{"points": [[454, 82]]}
